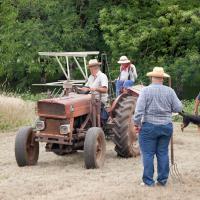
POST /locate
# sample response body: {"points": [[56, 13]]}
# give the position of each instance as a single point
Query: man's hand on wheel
{"points": [[93, 89], [85, 89]]}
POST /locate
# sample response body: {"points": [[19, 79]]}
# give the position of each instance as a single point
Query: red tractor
{"points": [[71, 122]]}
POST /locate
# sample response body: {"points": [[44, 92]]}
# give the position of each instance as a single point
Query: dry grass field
{"points": [[66, 178], [15, 112]]}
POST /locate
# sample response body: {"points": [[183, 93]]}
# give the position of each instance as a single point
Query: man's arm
{"points": [[103, 89], [99, 89], [140, 109], [176, 103], [196, 105], [86, 87], [134, 72]]}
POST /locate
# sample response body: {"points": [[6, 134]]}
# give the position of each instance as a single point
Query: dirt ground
{"points": [[66, 178]]}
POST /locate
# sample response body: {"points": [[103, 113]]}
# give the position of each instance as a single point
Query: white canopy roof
{"points": [[65, 67], [67, 54]]}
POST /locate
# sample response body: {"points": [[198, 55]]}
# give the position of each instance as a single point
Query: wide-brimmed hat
{"points": [[158, 72], [123, 60], [93, 62]]}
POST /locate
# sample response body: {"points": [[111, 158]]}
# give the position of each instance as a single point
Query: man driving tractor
{"points": [[97, 83]]}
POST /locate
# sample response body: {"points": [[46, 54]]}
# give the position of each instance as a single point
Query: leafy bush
{"points": [[157, 33], [27, 27], [151, 32]]}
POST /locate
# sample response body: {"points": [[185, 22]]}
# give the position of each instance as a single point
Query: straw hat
{"points": [[93, 63], [158, 72], [123, 60]]}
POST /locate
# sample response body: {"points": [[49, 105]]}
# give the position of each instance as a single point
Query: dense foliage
{"points": [[27, 27], [151, 32]]}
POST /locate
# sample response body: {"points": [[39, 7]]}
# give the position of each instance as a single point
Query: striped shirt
{"points": [[155, 105]]}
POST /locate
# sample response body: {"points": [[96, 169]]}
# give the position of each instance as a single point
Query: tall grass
{"points": [[24, 95], [15, 112]]}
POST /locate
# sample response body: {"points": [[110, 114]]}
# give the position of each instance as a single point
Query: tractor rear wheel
{"points": [[26, 150], [125, 139], [94, 148]]}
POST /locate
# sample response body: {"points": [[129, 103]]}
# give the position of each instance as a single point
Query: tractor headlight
{"points": [[39, 125], [65, 129]]}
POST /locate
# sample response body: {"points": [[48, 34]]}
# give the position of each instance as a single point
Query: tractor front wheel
{"points": [[94, 148], [26, 149]]}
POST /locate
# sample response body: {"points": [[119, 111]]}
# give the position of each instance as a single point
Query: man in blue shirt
{"points": [[153, 118]]}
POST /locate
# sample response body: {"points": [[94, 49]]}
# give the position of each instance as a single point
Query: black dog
{"points": [[188, 118]]}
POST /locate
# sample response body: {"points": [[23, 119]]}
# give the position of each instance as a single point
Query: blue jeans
{"points": [[104, 114], [122, 84], [154, 140]]}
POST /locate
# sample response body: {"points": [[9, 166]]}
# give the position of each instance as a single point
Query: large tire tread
{"points": [[123, 113]]}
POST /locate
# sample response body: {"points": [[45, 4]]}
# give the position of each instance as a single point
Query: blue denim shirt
{"points": [[155, 105]]}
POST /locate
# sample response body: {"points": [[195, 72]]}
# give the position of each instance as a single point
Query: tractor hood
{"points": [[64, 107]]}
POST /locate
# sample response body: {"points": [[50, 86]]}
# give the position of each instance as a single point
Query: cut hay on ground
{"points": [[64, 177]]}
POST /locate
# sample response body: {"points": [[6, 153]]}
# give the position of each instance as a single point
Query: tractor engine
{"points": [[60, 120]]}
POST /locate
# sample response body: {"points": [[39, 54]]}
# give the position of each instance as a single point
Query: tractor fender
{"points": [[135, 90], [132, 91], [115, 102]]}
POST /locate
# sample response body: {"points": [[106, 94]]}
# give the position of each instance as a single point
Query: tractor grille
{"points": [[51, 109], [52, 126]]}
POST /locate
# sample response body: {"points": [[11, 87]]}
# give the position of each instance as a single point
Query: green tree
{"points": [[27, 27], [164, 33], [151, 32]]}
